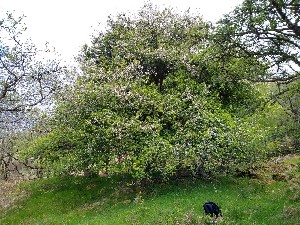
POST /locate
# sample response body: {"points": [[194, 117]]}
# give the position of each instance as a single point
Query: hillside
{"points": [[271, 198]]}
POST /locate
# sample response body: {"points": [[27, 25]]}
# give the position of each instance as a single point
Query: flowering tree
{"points": [[152, 102]]}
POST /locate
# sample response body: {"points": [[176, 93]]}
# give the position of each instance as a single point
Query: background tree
{"points": [[25, 82], [269, 31]]}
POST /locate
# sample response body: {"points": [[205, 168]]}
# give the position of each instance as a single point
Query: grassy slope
{"points": [[78, 200]]}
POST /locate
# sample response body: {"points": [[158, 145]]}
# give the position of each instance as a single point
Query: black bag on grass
{"points": [[212, 209]]}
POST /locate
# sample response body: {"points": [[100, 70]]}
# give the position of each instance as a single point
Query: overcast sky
{"points": [[68, 24]]}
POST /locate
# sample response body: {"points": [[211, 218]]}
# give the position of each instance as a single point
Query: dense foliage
{"points": [[156, 98]]}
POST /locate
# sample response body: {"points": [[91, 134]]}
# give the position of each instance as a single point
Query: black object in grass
{"points": [[212, 209]]}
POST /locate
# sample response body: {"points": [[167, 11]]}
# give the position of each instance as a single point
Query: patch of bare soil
{"points": [[284, 168], [10, 192]]}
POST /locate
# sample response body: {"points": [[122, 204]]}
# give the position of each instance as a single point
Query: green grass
{"points": [[107, 201]]}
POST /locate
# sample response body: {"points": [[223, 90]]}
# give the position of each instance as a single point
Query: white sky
{"points": [[68, 24]]}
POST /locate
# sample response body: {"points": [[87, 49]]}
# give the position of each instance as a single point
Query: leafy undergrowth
{"points": [[104, 200]]}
